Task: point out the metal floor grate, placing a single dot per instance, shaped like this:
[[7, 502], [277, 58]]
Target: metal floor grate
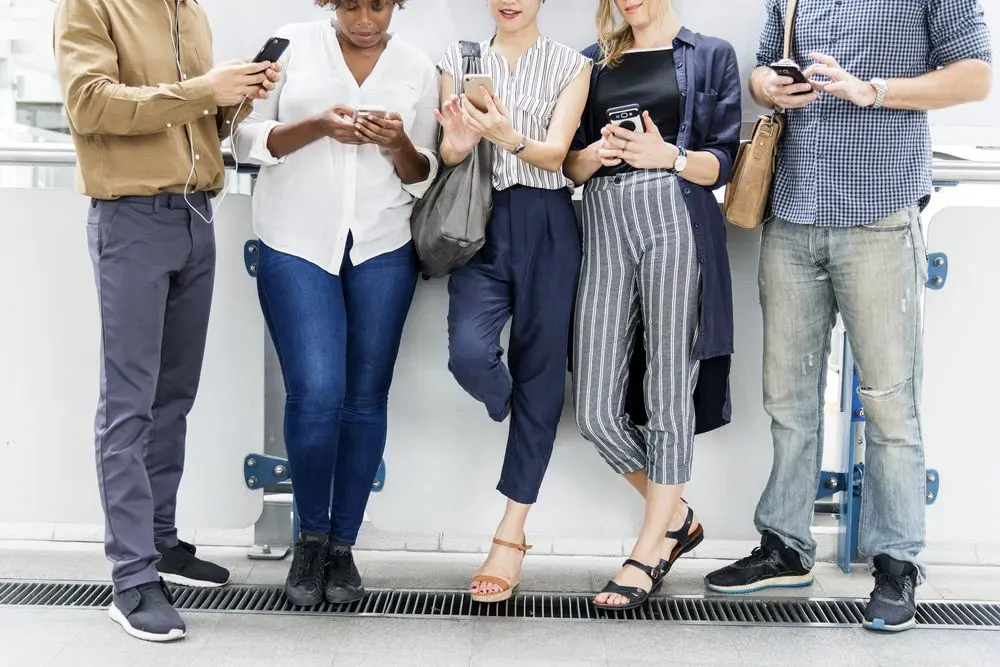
[[443, 604]]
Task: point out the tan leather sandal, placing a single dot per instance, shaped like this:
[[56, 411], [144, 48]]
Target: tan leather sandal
[[507, 588]]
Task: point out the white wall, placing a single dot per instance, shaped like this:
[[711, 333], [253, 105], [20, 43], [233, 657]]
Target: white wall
[[242, 25]]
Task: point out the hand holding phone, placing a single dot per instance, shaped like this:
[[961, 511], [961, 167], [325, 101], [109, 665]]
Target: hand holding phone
[[794, 95], [472, 85]]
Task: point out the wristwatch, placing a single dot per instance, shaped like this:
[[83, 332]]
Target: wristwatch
[[517, 150], [681, 163], [880, 87]]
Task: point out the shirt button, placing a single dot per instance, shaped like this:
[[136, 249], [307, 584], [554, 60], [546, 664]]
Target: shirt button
[[701, 260], [697, 225], [687, 191], [197, 157], [204, 112], [683, 126], [170, 124]]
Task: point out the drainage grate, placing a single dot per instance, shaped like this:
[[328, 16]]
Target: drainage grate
[[443, 604]]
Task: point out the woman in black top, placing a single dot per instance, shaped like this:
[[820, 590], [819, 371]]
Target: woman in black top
[[659, 132]]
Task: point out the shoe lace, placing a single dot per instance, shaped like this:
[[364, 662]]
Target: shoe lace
[[758, 555], [308, 559], [892, 587]]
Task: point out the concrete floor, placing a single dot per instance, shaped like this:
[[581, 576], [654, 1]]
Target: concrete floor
[[67, 637]]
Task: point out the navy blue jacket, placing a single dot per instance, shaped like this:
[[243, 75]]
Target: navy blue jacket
[[709, 80]]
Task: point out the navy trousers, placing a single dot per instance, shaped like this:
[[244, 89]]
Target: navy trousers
[[527, 272]]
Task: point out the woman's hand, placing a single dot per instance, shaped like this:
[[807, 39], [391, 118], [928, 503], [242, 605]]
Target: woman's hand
[[646, 150], [460, 136], [338, 124], [608, 149], [386, 132], [494, 124]]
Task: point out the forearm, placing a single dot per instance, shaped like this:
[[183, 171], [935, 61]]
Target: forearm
[[100, 106], [757, 79], [702, 168], [451, 157], [545, 155], [959, 83], [286, 139], [581, 165], [411, 166]]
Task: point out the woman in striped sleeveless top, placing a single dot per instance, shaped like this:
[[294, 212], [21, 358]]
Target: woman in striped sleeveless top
[[529, 267], [659, 133]]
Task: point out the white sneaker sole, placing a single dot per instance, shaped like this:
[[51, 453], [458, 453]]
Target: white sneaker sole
[[800, 581], [120, 619], [192, 583]]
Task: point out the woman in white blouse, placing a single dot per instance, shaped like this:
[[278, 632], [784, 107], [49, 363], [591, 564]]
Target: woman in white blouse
[[337, 269]]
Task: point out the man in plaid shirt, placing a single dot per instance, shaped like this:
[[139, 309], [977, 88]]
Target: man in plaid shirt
[[853, 175]]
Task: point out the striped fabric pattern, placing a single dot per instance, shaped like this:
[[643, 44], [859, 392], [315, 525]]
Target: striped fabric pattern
[[530, 94], [639, 261]]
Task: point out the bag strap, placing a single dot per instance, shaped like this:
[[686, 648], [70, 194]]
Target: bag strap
[[471, 62], [790, 12]]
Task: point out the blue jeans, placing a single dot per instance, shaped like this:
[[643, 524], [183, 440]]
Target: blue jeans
[[337, 338], [874, 276]]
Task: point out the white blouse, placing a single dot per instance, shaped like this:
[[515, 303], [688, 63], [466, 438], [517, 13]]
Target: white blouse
[[307, 202]]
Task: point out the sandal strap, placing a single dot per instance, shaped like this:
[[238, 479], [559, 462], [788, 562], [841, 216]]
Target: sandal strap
[[523, 547], [632, 593], [682, 532], [490, 579], [653, 572]]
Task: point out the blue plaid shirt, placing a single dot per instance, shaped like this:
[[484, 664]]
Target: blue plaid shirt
[[842, 165]]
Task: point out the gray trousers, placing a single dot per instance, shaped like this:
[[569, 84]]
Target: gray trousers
[[154, 265], [639, 260]]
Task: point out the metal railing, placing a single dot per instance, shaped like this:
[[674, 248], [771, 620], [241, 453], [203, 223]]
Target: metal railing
[[62, 155]]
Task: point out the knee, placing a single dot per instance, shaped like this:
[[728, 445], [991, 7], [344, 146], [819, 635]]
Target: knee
[[318, 391], [366, 404], [891, 413], [468, 353], [594, 423]]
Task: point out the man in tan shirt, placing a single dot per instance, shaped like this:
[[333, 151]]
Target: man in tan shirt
[[147, 111]]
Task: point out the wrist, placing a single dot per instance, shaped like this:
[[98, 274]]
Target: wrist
[[670, 154]]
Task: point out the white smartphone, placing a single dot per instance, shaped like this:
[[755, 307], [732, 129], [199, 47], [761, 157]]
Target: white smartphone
[[370, 110], [470, 86], [627, 116]]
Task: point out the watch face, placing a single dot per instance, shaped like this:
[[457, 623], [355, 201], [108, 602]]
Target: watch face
[[681, 163]]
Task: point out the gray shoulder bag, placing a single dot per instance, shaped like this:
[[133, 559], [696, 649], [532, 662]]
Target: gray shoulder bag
[[448, 223]]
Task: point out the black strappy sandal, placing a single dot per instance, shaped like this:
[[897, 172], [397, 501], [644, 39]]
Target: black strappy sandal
[[635, 595], [685, 542]]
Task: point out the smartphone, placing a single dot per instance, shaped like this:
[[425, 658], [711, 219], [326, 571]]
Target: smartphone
[[792, 71], [470, 86], [370, 110], [627, 116], [272, 50]]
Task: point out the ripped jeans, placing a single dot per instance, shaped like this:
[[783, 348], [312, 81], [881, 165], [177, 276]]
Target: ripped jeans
[[874, 277]]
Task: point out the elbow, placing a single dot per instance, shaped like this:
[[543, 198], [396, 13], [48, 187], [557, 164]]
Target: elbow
[[982, 85]]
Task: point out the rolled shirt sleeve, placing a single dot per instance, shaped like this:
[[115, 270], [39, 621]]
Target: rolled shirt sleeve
[[958, 31], [424, 133]]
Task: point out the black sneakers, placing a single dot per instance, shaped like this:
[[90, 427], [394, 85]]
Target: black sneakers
[[147, 612], [771, 565], [893, 606], [343, 581], [304, 585], [180, 566]]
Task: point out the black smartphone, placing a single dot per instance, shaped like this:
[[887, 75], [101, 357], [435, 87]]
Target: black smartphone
[[792, 71], [272, 50]]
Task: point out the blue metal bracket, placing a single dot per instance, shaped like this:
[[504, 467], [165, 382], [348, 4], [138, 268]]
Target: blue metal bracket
[[937, 270], [251, 254], [933, 484], [261, 470]]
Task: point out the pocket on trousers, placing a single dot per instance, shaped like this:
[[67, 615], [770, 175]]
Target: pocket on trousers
[[100, 222], [896, 222]]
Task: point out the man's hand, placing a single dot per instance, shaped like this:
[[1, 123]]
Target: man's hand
[[233, 81], [785, 93], [644, 150], [387, 132], [841, 84], [338, 124]]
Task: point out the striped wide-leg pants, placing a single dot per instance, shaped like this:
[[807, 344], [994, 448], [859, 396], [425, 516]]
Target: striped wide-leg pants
[[639, 260]]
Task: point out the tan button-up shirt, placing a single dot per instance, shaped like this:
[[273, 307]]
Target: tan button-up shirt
[[136, 105]]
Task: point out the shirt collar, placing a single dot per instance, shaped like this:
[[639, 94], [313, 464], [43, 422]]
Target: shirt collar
[[685, 36]]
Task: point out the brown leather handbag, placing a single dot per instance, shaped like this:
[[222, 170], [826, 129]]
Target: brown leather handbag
[[748, 194]]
